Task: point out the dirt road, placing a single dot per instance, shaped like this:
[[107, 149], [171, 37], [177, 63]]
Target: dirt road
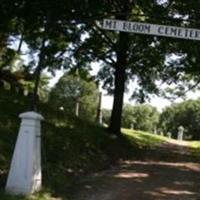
[[169, 172]]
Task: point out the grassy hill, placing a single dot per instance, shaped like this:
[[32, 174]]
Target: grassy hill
[[71, 148]]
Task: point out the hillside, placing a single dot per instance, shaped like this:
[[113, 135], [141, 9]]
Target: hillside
[[73, 148]]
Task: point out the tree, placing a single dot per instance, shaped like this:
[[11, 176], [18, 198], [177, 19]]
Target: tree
[[142, 117], [128, 118], [143, 58], [186, 114], [72, 88], [106, 116], [47, 28], [127, 56], [146, 117]]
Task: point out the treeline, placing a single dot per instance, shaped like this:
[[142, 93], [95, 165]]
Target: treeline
[[76, 95], [147, 118]]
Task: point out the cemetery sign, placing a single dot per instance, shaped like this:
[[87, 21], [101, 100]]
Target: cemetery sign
[[151, 29]]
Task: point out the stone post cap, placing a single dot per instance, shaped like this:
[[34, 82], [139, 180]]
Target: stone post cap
[[31, 115], [181, 128]]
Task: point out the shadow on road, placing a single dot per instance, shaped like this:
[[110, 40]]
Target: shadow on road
[[167, 173]]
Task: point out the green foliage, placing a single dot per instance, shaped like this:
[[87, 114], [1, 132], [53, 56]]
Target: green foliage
[[65, 35], [106, 116], [186, 114], [137, 57], [127, 116], [142, 117], [72, 89]]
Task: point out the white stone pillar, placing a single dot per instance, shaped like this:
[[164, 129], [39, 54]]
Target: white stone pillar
[[25, 175], [180, 133]]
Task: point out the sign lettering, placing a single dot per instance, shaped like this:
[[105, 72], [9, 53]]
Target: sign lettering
[[152, 29]]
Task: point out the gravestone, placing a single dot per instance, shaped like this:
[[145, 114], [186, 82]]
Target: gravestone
[[169, 134], [131, 126], [161, 133], [180, 133], [25, 172]]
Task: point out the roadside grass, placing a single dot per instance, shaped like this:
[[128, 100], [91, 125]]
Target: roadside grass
[[194, 144], [37, 196], [195, 147], [143, 139]]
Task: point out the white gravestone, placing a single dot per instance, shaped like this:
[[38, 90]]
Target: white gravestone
[[25, 175], [131, 126], [180, 133], [169, 134]]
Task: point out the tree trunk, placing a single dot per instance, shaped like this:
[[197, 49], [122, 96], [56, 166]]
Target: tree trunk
[[35, 97], [120, 78], [34, 100]]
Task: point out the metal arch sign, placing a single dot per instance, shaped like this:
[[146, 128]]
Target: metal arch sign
[[152, 29]]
